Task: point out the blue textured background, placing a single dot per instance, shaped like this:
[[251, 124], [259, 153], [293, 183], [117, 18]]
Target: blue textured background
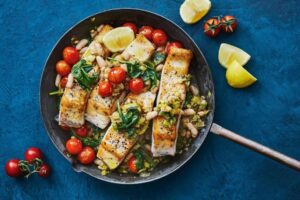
[[268, 112]]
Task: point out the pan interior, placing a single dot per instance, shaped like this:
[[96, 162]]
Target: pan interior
[[199, 69]]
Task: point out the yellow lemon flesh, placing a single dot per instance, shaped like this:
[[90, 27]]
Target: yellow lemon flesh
[[229, 53], [191, 11], [238, 77], [118, 39]]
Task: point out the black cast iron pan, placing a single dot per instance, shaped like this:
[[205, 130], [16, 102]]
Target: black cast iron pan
[[199, 69]]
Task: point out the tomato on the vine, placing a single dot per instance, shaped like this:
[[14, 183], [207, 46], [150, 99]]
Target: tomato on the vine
[[63, 68], [12, 168], [229, 23], [116, 75], [146, 31], [74, 146], [82, 131], [44, 171], [173, 44], [159, 37], [132, 26], [136, 85], [212, 27], [71, 55], [32, 153], [87, 155], [105, 89]]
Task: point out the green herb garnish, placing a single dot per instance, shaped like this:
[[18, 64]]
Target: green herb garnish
[[158, 57], [87, 141], [80, 72], [128, 120], [57, 92], [188, 99]]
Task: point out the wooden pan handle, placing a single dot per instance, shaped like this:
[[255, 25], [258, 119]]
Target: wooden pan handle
[[275, 155]]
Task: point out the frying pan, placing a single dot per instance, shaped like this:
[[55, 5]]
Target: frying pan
[[199, 69]]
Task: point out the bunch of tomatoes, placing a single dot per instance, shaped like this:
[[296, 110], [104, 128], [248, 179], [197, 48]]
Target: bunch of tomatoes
[[86, 155], [64, 67], [33, 163], [213, 26], [118, 74]]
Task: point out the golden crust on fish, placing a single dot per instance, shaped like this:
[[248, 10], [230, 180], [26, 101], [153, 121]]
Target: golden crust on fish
[[115, 146], [140, 48], [99, 109], [172, 86], [72, 107]]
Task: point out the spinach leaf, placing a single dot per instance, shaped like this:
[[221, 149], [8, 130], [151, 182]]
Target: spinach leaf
[[150, 74], [128, 120], [188, 99], [87, 141], [134, 70], [158, 58], [80, 72]]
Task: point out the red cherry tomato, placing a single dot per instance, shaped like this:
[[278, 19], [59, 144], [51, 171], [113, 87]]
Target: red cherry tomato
[[116, 75], [159, 37], [136, 85], [132, 26], [212, 27], [71, 55], [12, 168], [74, 146], [105, 89], [146, 31], [63, 68], [65, 128], [229, 23], [86, 156], [132, 165], [33, 153], [44, 171], [173, 44], [63, 82], [82, 131]]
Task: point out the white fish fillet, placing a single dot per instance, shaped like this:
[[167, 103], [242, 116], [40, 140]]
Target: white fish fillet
[[72, 107], [176, 66], [140, 48], [115, 146]]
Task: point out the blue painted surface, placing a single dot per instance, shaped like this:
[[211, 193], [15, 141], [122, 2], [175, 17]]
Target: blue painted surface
[[268, 112]]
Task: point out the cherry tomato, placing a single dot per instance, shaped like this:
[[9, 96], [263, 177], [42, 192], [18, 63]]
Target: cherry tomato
[[212, 27], [86, 156], [132, 26], [71, 55], [116, 75], [74, 146], [146, 31], [105, 89], [12, 168], [63, 68], [229, 23], [44, 171], [65, 128], [33, 153], [82, 131], [132, 165], [173, 44], [136, 85], [159, 37], [63, 82]]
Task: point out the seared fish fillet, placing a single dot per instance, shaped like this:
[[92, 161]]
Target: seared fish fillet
[[171, 87], [72, 107], [140, 48], [115, 146], [99, 109]]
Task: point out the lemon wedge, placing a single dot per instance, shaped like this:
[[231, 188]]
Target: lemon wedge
[[238, 77], [229, 53], [191, 11], [118, 39]]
